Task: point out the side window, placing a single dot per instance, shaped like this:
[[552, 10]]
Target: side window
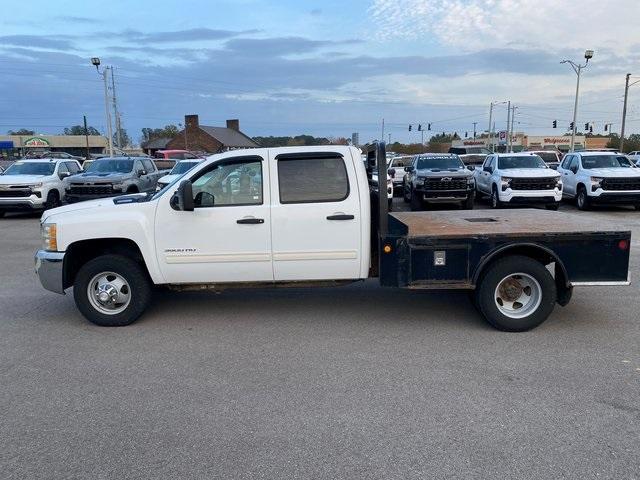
[[73, 167], [487, 161], [62, 168], [566, 161], [148, 165], [573, 166], [138, 166], [232, 182], [312, 180]]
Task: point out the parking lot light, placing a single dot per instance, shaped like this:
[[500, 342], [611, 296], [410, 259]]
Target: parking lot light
[[588, 55], [95, 61]]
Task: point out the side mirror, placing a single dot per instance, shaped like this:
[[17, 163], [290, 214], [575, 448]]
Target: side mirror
[[182, 200], [64, 175], [392, 172], [141, 173], [471, 167], [487, 169], [574, 169], [409, 169]]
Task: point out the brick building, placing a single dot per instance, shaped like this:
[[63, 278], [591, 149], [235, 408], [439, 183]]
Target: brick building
[[204, 138]]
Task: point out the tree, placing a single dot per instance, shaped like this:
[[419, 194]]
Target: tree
[[169, 131], [631, 143], [299, 140], [124, 137], [22, 131], [79, 130], [444, 138]]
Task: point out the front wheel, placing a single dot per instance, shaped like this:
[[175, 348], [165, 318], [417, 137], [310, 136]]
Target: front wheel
[[553, 206], [53, 200], [468, 203], [112, 290], [583, 199], [516, 294], [405, 194], [416, 202], [495, 198]]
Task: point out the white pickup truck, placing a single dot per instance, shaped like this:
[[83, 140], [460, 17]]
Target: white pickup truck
[[305, 216], [38, 184], [518, 179]]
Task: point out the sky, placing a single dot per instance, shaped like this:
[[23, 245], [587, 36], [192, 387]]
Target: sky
[[325, 68]]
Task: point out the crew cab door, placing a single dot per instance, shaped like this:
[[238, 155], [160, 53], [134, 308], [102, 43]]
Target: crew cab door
[[315, 216], [569, 169], [484, 175], [227, 238]]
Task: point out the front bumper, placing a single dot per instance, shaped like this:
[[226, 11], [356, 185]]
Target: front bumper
[[619, 198], [530, 196], [444, 196], [32, 202], [50, 270]]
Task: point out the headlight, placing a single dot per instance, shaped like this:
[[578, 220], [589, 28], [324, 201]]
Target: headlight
[[596, 183], [420, 180], [49, 233], [559, 184], [506, 183], [35, 185]]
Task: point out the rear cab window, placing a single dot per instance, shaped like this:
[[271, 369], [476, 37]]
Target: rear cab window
[[312, 178]]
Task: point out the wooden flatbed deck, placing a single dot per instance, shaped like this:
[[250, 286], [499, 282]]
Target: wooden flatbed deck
[[496, 223]]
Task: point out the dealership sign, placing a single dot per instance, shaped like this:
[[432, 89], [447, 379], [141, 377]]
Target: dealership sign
[[36, 142]]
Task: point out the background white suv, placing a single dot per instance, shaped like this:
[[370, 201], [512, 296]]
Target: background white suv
[[35, 184], [600, 177], [518, 178]]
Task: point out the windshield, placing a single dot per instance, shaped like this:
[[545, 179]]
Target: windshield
[[110, 166], [182, 167], [606, 161], [439, 163], [549, 157], [31, 168], [401, 162], [524, 161]]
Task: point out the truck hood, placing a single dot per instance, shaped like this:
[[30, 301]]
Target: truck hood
[[100, 204], [91, 177], [22, 179], [612, 172], [529, 173], [457, 173]]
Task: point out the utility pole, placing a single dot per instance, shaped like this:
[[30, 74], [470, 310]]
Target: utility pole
[[474, 129], [382, 136], [86, 135], [389, 139], [588, 55], [508, 146], [513, 118], [95, 61], [624, 112], [115, 110], [490, 126]]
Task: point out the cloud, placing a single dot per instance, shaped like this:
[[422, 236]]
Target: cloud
[[77, 20], [37, 41], [189, 35], [475, 24]]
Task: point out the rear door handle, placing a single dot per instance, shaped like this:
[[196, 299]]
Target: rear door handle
[[341, 216], [250, 221]]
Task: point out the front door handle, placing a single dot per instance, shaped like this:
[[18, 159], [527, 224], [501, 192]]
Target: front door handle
[[250, 221], [340, 216]]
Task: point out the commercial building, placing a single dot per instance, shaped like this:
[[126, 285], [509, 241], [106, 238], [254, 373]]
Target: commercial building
[[521, 141], [13, 146]]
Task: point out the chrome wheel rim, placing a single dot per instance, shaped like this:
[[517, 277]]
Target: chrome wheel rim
[[109, 293], [518, 295]]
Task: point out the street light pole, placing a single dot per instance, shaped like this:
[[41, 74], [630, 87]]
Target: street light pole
[[96, 62], [588, 55], [624, 112], [490, 120], [508, 146]]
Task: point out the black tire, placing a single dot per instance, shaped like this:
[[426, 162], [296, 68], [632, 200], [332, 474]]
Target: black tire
[[468, 203], [416, 203], [493, 276], [135, 275], [552, 206], [405, 196], [53, 200], [582, 199], [494, 199], [132, 190], [2, 212], [390, 205]]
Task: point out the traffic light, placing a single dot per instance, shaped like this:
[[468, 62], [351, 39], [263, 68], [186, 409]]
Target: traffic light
[[571, 126], [428, 126], [409, 127], [555, 124], [586, 126], [466, 134], [591, 129], [419, 127], [606, 128]]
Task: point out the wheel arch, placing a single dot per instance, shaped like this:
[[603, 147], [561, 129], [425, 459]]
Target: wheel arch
[[80, 252], [537, 252]]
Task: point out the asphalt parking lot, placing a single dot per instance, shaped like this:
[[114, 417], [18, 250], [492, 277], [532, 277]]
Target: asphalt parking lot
[[353, 382]]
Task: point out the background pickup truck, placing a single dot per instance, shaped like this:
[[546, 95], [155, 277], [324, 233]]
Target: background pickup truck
[[108, 177], [304, 216]]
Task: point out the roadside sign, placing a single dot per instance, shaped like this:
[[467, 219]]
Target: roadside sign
[[502, 137], [6, 145]]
